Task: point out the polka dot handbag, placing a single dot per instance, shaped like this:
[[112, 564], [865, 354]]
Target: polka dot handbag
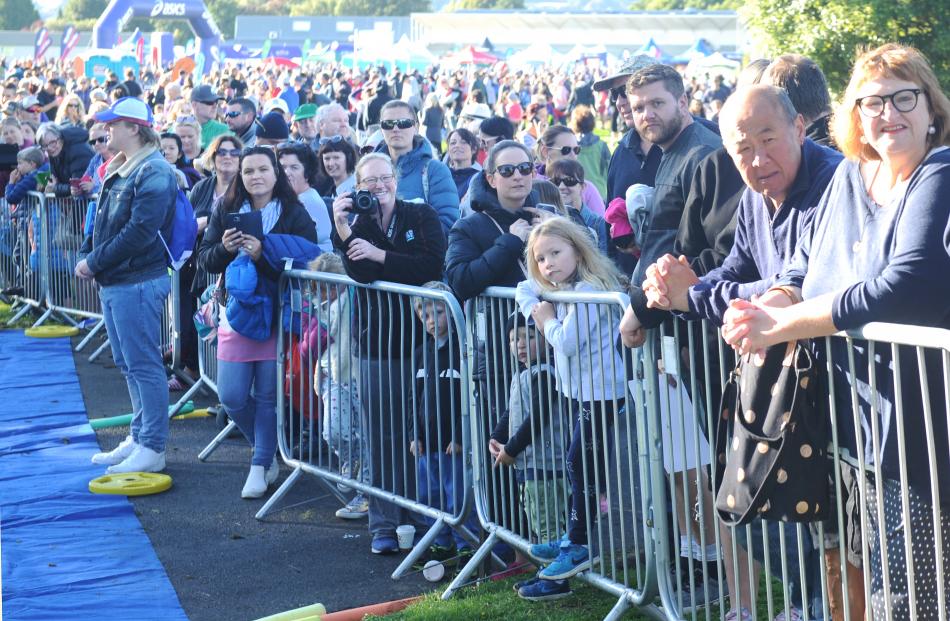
[[772, 439]]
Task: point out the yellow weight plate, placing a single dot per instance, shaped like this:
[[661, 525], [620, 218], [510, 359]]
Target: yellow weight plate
[[51, 332], [131, 484]]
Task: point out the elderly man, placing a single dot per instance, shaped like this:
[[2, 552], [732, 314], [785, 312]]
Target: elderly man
[[333, 120], [421, 176], [305, 126], [785, 175]]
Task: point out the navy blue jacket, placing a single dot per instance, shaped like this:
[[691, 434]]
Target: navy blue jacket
[[764, 243], [134, 205]]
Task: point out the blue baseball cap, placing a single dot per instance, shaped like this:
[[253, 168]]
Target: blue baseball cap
[[128, 109]]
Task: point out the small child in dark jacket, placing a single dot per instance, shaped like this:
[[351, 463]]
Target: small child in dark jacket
[[29, 162], [436, 425]]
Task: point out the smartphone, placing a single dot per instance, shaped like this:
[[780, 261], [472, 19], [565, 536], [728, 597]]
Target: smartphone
[[250, 223]]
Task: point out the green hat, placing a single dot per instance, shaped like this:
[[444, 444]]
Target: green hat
[[306, 111]]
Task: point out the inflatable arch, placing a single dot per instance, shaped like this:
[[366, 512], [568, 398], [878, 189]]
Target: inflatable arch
[[105, 34]]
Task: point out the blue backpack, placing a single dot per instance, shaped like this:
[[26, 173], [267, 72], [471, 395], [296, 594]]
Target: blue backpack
[[181, 243]]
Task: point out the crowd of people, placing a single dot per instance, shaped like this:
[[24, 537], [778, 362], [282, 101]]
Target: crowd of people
[[762, 206]]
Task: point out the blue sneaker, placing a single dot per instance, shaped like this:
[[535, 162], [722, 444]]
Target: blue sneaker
[[384, 544], [572, 560], [538, 590], [547, 551]]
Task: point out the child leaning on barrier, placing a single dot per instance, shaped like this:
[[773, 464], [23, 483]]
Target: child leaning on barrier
[[435, 426], [29, 162], [590, 379], [530, 435], [336, 379]]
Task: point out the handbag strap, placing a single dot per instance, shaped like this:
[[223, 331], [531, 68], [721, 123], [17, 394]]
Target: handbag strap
[[524, 269]]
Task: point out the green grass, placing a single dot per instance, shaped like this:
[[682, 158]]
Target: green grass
[[496, 600]]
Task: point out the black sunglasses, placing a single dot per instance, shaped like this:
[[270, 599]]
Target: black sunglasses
[[617, 93], [567, 150], [367, 148], [400, 123], [231, 152], [568, 181], [507, 170], [233, 114], [99, 140]]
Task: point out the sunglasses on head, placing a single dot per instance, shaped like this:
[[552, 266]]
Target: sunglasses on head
[[507, 170], [400, 123], [568, 181], [567, 150], [367, 148], [333, 139], [99, 140], [617, 93], [233, 114]]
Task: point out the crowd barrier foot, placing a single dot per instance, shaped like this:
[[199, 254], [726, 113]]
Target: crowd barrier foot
[[218, 439], [280, 493], [92, 333], [473, 563], [46, 315], [99, 351], [419, 549], [19, 314]]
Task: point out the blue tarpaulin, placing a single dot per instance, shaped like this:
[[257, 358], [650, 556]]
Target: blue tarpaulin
[[67, 553]]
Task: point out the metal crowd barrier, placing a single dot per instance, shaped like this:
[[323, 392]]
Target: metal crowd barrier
[[506, 499], [25, 266], [806, 566], [385, 381]]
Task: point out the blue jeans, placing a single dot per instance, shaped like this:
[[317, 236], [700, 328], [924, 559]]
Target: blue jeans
[[133, 317], [254, 414], [442, 486]]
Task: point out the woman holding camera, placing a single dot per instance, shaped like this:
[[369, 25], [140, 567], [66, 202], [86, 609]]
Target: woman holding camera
[[401, 242]]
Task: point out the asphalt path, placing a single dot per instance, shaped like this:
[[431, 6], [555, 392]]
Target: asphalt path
[[223, 563]]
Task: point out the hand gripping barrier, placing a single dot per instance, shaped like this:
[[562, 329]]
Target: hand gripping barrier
[[369, 400], [544, 405], [887, 389]]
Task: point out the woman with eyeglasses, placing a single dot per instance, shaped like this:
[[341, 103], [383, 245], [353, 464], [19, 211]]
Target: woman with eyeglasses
[[461, 158], [337, 161], [878, 251], [559, 142], [246, 383], [92, 179], [401, 242], [567, 175], [69, 153], [300, 165], [71, 112]]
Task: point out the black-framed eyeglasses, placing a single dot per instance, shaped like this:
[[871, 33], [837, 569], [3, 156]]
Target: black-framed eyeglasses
[[228, 153], [333, 139], [617, 93], [47, 145], [507, 170], [233, 114], [565, 151], [389, 124], [567, 181], [904, 100], [99, 140]]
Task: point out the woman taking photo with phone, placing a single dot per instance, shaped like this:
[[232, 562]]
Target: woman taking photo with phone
[[246, 383]]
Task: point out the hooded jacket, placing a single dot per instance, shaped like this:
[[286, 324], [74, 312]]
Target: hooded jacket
[[480, 255], [418, 169]]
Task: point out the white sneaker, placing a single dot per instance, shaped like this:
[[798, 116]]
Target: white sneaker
[[116, 455], [142, 459], [272, 472], [256, 484]]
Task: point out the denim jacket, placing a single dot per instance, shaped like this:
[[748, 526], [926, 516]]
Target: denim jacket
[[136, 201]]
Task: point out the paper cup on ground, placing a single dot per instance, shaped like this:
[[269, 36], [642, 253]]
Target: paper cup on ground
[[433, 571], [405, 534]]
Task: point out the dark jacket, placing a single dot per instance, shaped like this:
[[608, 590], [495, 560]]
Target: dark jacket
[[415, 254], [438, 394], [480, 255], [201, 196], [136, 203], [214, 259], [72, 161], [17, 191], [370, 114]]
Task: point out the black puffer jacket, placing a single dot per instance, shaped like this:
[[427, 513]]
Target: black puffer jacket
[[480, 255], [72, 161]]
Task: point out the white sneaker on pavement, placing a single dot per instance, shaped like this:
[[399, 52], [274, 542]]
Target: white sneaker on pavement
[[256, 484], [142, 459], [272, 472], [116, 455]]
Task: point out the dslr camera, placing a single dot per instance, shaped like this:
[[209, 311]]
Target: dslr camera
[[364, 203]]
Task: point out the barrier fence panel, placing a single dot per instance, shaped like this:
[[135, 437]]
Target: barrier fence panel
[[373, 399], [886, 392], [8, 243], [581, 467], [28, 280]]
